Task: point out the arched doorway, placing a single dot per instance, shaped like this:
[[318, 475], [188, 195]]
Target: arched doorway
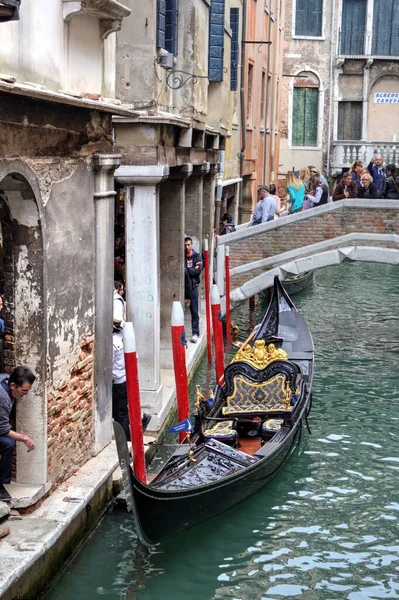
[[23, 276]]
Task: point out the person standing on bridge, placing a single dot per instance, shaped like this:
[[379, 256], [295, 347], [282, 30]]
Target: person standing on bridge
[[296, 190], [258, 210], [269, 206], [377, 170]]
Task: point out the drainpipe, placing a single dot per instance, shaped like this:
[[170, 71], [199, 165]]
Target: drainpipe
[[242, 107], [219, 190], [275, 75], [267, 101], [330, 100]]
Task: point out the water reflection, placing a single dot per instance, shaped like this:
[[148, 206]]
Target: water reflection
[[327, 526]]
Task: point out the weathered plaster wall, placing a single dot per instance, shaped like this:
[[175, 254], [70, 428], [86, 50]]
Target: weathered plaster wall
[[44, 49]]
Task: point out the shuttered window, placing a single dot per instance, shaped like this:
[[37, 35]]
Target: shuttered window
[[305, 116], [353, 27], [385, 28], [350, 116], [216, 40], [309, 17], [234, 21], [167, 25]]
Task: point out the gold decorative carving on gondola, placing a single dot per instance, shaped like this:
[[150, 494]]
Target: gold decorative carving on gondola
[[260, 354]]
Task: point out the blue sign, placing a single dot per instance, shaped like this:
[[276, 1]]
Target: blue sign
[[181, 427]]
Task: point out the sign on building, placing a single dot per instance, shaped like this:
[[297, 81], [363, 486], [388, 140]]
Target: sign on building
[[386, 98]]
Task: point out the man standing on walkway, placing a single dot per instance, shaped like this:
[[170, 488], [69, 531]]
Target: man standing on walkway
[[13, 387], [193, 265], [258, 210]]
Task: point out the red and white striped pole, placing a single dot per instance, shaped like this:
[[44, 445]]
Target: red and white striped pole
[[227, 296], [207, 301], [217, 332], [133, 401], [179, 361]]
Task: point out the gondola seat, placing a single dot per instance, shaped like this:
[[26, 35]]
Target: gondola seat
[[271, 426], [223, 431]]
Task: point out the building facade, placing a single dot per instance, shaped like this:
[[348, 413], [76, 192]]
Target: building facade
[[57, 97], [342, 82], [262, 47]]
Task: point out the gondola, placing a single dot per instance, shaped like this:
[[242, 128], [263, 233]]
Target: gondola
[[242, 436], [296, 283]]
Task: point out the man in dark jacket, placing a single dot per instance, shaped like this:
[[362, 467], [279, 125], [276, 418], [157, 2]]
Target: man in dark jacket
[[193, 265], [390, 185], [13, 387]]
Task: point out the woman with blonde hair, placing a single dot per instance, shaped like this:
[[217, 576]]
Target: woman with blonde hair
[[296, 190], [304, 175], [366, 188]]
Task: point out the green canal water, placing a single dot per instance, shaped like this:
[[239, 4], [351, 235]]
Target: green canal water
[[327, 527]]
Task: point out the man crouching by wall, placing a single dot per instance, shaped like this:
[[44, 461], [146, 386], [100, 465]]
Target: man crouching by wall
[[13, 387]]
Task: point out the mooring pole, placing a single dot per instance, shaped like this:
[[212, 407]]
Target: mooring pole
[[228, 316], [179, 362], [207, 301], [252, 303], [217, 332], [133, 401]]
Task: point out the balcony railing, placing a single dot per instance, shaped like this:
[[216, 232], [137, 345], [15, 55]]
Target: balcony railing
[[346, 152], [358, 43]]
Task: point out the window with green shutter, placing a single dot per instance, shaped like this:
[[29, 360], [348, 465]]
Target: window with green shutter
[[385, 28], [305, 116]]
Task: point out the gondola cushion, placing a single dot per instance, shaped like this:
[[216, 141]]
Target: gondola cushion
[[249, 397], [271, 426], [222, 431]]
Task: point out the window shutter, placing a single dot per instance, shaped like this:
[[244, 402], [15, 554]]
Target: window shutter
[[216, 40], [161, 24], [309, 17], [305, 116], [353, 27], [171, 29], [311, 116], [298, 117], [234, 22], [350, 116], [386, 28]]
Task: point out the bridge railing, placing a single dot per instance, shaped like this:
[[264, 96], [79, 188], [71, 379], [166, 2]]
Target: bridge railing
[[346, 152]]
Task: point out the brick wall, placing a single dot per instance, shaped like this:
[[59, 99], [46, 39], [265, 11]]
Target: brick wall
[[70, 419], [310, 230]]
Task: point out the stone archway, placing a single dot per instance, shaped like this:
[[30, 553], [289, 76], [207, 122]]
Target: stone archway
[[24, 301]]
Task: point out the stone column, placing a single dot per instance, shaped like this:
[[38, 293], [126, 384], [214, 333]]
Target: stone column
[[194, 201], [208, 204], [104, 194], [143, 272], [172, 230]]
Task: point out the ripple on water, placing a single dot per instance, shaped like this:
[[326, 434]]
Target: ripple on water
[[326, 528]]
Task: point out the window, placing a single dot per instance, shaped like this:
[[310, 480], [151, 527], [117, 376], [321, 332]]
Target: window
[[234, 23], [353, 27], [350, 120], [216, 40], [309, 18], [386, 28], [262, 100], [249, 99], [167, 25], [305, 110]]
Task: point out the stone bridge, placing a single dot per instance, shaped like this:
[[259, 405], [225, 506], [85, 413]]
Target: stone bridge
[[365, 230]]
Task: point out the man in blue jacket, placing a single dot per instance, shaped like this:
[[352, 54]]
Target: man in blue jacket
[[13, 387], [377, 170]]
